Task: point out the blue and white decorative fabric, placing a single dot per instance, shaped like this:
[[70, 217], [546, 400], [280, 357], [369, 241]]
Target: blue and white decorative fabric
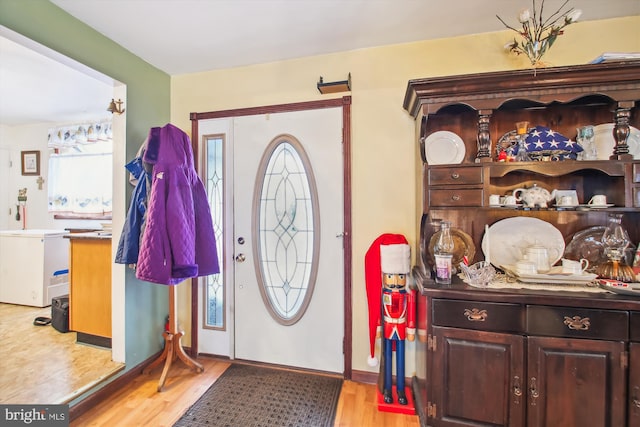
[[543, 141]]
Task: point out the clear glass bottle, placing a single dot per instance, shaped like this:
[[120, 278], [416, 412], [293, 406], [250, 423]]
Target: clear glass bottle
[[522, 128], [585, 137], [443, 253]]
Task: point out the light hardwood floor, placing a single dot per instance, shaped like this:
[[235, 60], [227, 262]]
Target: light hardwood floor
[[43, 366], [140, 404]]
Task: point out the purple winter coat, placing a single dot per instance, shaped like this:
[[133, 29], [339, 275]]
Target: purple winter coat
[[178, 240]]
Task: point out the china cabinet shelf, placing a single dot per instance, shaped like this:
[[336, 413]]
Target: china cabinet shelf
[[558, 168]]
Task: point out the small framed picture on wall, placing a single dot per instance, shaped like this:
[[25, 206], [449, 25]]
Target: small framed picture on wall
[[30, 162]]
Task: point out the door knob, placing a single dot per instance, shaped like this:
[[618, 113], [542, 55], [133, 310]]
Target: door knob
[[240, 258]]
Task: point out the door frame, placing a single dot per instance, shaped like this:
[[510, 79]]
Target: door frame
[[345, 103]]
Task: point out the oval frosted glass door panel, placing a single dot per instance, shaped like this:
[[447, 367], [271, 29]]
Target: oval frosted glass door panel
[[286, 226]]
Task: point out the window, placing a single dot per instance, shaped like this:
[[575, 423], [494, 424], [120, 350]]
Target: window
[[81, 170], [287, 226], [215, 303]]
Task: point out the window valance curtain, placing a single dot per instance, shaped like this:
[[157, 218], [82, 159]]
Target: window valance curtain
[[85, 133]]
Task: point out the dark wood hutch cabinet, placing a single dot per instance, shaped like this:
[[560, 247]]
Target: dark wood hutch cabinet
[[510, 357]]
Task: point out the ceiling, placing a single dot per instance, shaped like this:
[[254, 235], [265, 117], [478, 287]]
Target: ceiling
[[34, 88], [187, 36]]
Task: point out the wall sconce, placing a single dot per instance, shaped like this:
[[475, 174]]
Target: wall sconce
[[333, 87], [113, 108]]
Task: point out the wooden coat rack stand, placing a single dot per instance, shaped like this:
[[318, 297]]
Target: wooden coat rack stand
[[172, 344]]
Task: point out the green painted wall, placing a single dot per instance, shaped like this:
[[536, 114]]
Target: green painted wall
[[148, 105]]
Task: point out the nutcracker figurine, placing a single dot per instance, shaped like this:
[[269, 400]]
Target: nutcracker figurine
[[391, 308]]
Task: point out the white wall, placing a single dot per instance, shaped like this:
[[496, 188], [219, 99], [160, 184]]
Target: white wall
[[4, 178], [4, 189]]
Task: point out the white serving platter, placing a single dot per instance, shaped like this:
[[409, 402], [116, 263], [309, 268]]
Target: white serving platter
[[509, 238], [605, 142], [553, 276]]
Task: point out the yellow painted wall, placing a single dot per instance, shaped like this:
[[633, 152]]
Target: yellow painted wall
[[384, 149]]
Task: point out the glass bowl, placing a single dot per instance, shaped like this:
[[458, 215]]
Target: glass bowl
[[479, 274]]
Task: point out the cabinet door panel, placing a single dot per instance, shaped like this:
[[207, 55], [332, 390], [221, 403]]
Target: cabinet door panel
[[634, 326], [478, 378], [90, 296], [634, 385], [585, 378]]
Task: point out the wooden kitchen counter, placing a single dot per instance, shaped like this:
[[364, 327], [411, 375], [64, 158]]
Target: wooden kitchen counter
[[90, 287]]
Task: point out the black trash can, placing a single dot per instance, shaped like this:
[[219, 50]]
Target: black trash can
[[60, 313]]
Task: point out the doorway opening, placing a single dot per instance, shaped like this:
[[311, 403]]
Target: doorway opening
[[38, 214]]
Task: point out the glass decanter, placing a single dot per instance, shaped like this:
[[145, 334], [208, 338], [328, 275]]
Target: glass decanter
[[585, 137], [615, 240], [443, 254]]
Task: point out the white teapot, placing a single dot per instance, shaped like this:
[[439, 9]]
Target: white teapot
[[534, 196], [539, 255]]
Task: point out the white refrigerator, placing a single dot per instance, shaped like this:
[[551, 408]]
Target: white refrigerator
[[34, 266]]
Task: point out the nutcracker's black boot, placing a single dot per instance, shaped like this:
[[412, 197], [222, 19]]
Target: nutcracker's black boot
[[388, 397], [402, 397]]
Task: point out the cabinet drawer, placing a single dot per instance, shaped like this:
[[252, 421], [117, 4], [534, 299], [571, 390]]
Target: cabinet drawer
[[455, 197], [634, 330], [497, 317], [455, 176], [574, 322]]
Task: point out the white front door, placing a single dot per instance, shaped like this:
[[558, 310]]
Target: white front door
[[275, 250]]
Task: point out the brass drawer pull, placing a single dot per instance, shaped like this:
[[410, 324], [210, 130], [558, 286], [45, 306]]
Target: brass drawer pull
[[577, 323], [533, 390], [517, 390], [475, 315], [455, 197], [455, 175]]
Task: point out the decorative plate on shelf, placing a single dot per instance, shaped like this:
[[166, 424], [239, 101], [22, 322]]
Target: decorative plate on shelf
[[605, 142], [443, 148], [630, 289], [506, 142], [462, 246], [508, 239], [588, 244]]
